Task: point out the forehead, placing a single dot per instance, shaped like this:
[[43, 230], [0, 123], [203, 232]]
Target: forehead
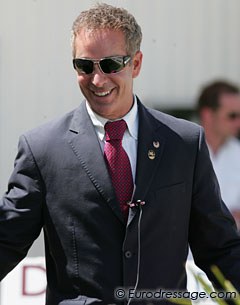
[[230, 101], [100, 43]]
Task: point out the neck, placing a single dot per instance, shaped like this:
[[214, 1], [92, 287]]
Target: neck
[[214, 141]]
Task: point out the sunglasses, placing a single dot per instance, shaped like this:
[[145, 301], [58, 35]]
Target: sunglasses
[[107, 65], [233, 116]]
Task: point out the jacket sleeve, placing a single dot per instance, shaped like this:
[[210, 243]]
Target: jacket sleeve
[[20, 210], [213, 235]]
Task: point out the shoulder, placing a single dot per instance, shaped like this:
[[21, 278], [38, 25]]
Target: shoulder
[[51, 129], [234, 142], [233, 146], [177, 126], [50, 136], [170, 120]]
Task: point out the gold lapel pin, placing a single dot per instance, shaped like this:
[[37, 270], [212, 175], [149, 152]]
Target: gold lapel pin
[[151, 154], [156, 144]]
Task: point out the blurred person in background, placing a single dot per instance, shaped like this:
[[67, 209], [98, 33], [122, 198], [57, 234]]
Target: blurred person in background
[[219, 113]]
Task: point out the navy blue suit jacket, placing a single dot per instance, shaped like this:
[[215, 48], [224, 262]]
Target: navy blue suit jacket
[[60, 183]]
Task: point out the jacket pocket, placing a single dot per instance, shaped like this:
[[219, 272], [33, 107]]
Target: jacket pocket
[[172, 204], [171, 195]]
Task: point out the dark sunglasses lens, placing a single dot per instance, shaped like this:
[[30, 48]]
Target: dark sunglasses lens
[[234, 115], [84, 65], [109, 65]]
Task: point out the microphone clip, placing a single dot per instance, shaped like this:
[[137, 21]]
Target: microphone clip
[[138, 203]]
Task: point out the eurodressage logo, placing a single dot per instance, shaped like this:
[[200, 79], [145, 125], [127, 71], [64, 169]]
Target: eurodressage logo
[[160, 294]]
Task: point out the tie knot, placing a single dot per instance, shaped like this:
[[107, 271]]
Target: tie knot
[[115, 130]]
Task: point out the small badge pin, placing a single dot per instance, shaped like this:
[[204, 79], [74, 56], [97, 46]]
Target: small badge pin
[[151, 154], [156, 144]]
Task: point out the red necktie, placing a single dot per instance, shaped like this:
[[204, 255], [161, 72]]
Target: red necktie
[[118, 163]]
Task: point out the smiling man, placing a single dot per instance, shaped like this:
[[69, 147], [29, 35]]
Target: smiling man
[[120, 190], [108, 94]]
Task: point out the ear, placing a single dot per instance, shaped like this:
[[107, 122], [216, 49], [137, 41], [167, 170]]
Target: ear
[[207, 114], [137, 63]]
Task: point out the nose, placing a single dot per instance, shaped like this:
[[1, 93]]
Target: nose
[[98, 77]]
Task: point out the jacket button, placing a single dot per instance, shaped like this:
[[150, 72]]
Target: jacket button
[[128, 254]]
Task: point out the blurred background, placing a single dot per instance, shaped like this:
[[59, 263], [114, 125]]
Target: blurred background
[[185, 45]]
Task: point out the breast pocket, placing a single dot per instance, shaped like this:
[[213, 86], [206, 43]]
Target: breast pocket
[[171, 193], [171, 202]]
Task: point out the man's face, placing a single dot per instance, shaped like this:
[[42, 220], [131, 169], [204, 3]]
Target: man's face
[[226, 119], [109, 95]]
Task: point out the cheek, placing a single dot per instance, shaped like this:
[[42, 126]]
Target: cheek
[[125, 81], [221, 121], [82, 81], [226, 126]]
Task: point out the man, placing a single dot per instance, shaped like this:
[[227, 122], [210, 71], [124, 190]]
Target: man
[[219, 111], [116, 213]]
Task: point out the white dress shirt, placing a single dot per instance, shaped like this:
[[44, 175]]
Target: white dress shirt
[[130, 137], [226, 164]]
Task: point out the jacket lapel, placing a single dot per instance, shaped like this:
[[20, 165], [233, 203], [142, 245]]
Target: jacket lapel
[[149, 152], [86, 146]]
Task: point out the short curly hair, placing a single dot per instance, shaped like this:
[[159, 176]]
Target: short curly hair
[[105, 16]]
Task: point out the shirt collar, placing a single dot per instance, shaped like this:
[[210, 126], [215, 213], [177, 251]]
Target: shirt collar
[[131, 118], [226, 145]]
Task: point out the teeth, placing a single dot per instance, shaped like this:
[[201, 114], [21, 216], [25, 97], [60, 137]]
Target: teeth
[[102, 93]]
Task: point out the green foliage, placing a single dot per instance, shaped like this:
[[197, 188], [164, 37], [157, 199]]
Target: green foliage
[[227, 288]]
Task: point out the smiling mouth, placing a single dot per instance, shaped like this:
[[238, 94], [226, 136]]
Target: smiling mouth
[[102, 94]]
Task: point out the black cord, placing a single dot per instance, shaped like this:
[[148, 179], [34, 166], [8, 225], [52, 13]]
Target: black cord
[[139, 251]]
